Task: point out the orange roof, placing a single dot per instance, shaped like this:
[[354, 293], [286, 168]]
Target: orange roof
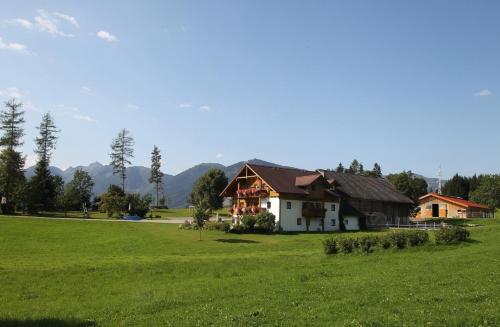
[[458, 201]]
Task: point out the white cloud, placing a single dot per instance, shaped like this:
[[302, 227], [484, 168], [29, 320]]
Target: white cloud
[[185, 105], [83, 117], [219, 155], [483, 93], [16, 47], [70, 19], [106, 36], [73, 112], [14, 92], [205, 108], [30, 160], [49, 23], [85, 90], [22, 22], [133, 107], [11, 92]]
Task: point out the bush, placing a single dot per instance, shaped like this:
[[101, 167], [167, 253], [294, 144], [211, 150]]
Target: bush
[[453, 234], [367, 242], [266, 221], [186, 225], [417, 237], [386, 241], [215, 225], [238, 229], [330, 246], [346, 245], [248, 222], [398, 239]]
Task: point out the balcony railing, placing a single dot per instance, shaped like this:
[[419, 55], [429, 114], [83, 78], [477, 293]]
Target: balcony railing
[[251, 192], [311, 210], [249, 210]]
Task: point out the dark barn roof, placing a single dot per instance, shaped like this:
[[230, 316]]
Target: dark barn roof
[[366, 188], [282, 180]]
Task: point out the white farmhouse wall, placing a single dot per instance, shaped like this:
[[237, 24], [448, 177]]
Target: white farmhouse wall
[[351, 223], [288, 219]]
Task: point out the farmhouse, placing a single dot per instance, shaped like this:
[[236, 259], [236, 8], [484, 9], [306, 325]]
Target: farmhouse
[[433, 205], [320, 200]]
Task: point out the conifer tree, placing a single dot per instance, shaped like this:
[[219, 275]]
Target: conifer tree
[[11, 161], [156, 174], [122, 152]]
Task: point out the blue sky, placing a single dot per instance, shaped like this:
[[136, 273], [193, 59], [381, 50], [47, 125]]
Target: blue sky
[[408, 84]]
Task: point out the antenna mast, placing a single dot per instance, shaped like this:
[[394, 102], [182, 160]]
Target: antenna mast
[[440, 176]]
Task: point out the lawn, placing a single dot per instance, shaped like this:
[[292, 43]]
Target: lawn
[[174, 213], [95, 273]]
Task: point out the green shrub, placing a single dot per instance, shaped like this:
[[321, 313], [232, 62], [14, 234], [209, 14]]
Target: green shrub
[[453, 234], [417, 237], [186, 225], [330, 246], [386, 241], [266, 221], [346, 245], [398, 239], [248, 222], [215, 225], [238, 229], [367, 243]]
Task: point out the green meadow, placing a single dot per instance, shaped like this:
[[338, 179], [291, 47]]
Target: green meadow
[[97, 273]]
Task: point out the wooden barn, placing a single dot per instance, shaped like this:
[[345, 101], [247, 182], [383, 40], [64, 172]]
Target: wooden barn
[[433, 205]]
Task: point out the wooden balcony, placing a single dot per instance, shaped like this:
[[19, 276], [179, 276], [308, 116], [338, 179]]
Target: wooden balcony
[[310, 210], [251, 193], [248, 210]]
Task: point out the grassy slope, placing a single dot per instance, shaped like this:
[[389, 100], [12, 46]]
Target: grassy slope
[[151, 274]]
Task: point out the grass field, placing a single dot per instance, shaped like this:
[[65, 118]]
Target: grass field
[[90, 273], [156, 213]]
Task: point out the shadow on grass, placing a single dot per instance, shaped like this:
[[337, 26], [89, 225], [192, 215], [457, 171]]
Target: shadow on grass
[[235, 240], [47, 322]]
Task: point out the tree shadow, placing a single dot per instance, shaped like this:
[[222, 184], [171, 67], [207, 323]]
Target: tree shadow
[[47, 322], [235, 240]]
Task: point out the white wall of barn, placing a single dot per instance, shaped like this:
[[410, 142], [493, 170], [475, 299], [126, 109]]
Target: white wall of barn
[[288, 218]]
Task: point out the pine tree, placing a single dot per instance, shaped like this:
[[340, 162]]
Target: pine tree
[[156, 174], [355, 167], [43, 187], [11, 161], [121, 153], [377, 170], [340, 168]]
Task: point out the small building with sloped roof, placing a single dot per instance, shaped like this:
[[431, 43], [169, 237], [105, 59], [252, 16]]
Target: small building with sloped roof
[[434, 205]]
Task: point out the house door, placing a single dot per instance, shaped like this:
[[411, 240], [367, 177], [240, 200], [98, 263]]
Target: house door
[[435, 210]]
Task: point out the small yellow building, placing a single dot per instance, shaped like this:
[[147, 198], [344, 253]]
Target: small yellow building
[[433, 205]]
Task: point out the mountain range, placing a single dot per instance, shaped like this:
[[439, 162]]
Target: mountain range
[[176, 187]]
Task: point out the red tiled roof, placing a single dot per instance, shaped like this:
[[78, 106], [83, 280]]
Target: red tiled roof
[[306, 180], [458, 201]]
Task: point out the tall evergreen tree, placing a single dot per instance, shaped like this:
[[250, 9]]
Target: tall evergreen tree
[[340, 168], [43, 187], [457, 186], [156, 174], [376, 171], [11, 161], [122, 152], [355, 167]]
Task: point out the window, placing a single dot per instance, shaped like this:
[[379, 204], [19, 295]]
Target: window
[[299, 221], [333, 222], [268, 205], [346, 222], [289, 205], [333, 207]]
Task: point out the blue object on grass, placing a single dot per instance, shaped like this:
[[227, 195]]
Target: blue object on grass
[[132, 218]]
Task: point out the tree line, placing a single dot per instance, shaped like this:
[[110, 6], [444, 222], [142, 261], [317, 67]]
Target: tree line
[[47, 192], [484, 189]]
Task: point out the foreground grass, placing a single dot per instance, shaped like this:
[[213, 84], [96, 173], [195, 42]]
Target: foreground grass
[[71, 273]]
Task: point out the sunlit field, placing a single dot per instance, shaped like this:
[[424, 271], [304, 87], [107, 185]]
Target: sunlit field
[[96, 273]]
